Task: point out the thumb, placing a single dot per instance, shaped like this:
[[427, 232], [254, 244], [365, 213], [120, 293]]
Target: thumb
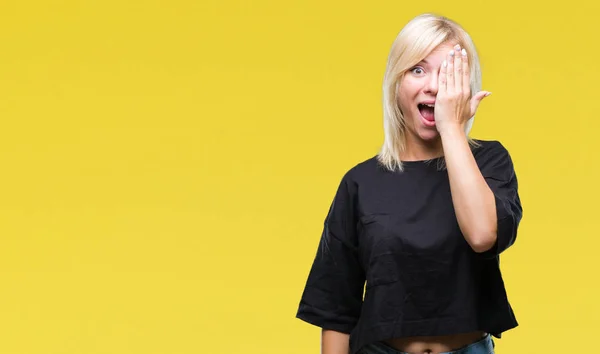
[[476, 100]]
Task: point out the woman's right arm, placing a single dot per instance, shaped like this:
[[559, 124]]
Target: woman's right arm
[[333, 295], [333, 342]]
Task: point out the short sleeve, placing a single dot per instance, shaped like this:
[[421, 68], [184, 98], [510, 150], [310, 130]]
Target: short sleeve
[[497, 168], [332, 297]]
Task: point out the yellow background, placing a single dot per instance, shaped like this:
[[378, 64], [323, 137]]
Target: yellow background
[[167, 165]]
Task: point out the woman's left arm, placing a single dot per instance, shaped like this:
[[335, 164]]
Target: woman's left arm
[[473, 200]]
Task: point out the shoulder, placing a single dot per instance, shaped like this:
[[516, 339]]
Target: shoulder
[[493, 157], [362, 169], [489, 146], [358, 174], [489, 149]]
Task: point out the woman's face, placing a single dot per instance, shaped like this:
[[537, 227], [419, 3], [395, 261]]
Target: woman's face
[[417, 93]]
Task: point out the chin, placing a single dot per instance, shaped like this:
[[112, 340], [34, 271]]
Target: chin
[[418, 129], [428, 135]]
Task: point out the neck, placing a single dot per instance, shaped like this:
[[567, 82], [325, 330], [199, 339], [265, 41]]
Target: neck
[[417, 150]]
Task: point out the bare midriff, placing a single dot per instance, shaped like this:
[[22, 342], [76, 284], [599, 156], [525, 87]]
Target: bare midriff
[[434, 344]]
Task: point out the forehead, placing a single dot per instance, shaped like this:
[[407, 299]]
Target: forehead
[[437, 56]]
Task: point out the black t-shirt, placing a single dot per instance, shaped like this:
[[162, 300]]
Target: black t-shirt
[[394, 235]]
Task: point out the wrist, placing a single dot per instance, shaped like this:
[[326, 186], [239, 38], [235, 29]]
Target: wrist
[[452, 131]]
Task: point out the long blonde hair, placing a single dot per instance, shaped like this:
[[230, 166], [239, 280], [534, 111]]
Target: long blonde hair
[[415, 41]]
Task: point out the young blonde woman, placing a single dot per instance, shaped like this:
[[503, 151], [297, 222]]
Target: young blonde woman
[[408, 261]]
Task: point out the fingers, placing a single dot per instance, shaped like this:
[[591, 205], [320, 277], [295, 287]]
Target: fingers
[[476, 100], [466, 73], [442, 81], [458, 69], [455, 75], [450, 86]]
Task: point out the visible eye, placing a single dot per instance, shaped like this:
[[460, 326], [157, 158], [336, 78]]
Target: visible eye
[[417, 70]]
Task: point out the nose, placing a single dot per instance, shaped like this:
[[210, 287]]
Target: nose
[[432, 84]]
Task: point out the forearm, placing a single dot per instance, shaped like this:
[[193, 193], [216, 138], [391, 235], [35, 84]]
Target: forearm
[[473, 200], [333, 342]]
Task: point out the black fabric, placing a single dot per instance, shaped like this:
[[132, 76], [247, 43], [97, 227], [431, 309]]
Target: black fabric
[[392, 262]]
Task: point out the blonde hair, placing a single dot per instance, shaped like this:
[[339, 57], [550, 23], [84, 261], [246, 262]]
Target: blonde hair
[[415, 41]]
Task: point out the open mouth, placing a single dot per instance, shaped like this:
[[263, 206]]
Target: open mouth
[[427, 111]]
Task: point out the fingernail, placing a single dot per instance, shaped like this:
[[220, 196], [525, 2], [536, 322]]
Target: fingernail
[[451, 53], [457, 47], [464, 52], [487, 94], [445, 64]]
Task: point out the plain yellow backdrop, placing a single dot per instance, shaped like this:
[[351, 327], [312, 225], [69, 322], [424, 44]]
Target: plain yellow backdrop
[[167, 165]]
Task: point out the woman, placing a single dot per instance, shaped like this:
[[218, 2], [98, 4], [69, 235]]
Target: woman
[[408, 261]]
